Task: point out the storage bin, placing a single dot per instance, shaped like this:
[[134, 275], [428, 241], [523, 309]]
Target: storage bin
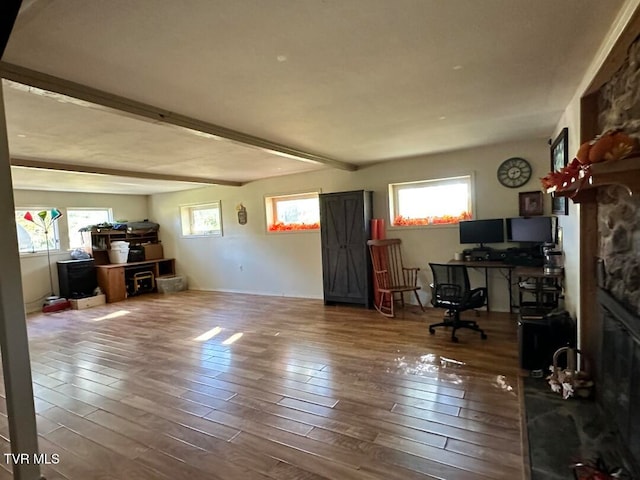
[[170, 284], [119, 252], [118, 256]]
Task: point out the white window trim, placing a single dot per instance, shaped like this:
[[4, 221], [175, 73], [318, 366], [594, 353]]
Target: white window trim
[[186, 212], [270, 213], [393, 200], [108, 209], [56, 229]]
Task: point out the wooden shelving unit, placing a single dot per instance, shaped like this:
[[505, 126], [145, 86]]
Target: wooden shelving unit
[[538, 292], [113, 279], [97, 242]]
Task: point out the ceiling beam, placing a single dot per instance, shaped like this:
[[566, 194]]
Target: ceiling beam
[[64, 167], [9, 11], [61, 86]]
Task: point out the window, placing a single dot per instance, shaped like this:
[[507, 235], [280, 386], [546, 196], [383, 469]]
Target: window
[[430, 202], [31, 233], [78, 218], [300, 211], [201, 220]]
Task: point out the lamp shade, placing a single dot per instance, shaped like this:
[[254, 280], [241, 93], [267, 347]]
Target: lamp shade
[[27, 216], [55, 214], [43, 214]]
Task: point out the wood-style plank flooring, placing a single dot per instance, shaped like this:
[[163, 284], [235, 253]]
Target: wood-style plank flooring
[[306, 391]]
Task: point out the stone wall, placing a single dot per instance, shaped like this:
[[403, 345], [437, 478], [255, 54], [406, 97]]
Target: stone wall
[[619, 228], [618, 213], [619, 99]]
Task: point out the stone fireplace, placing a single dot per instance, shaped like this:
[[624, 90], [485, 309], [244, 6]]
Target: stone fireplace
[[618, 275], [619, 387]]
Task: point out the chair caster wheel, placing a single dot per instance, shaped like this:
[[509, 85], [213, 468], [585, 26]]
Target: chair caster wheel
[[483, 336], [432, 331], [454, 339]]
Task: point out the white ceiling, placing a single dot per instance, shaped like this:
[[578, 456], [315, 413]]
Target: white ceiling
[[354, 81]]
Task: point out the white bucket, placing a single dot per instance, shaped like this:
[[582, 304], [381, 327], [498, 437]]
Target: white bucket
[[119, 252]]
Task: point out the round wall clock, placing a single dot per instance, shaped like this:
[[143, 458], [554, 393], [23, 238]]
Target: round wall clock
[[514, 172]]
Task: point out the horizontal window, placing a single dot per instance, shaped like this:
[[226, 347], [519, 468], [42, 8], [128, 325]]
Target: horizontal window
[[430, 202], [37, 229], [78, 218], [300, 211], [201, 220]]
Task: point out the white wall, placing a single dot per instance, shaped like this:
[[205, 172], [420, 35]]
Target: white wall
[[35, 274], [571, 118], [247, 259], [570, 224]]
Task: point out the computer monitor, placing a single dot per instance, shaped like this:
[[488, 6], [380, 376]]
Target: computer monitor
[[531, 230], [482, 231]]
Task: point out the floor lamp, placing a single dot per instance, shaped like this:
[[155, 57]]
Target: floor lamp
[[45, 220]]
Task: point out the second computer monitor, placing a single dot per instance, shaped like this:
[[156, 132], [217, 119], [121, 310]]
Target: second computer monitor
[[531, 230], [482, 231]]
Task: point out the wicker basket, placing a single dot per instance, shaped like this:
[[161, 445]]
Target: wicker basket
[[570, 381]]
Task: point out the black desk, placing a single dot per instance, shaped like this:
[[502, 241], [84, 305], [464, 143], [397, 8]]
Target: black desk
[[486, 265]]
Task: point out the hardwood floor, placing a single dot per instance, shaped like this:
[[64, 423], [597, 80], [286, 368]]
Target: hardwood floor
[[127, 391]]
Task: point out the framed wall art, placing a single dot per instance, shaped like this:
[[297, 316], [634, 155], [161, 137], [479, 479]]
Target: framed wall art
[[530, 204], [560, 159]]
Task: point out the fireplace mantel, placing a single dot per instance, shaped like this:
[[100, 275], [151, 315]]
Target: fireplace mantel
[[624, 172]]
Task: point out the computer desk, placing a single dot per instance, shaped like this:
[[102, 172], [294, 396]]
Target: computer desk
[[486, 265]]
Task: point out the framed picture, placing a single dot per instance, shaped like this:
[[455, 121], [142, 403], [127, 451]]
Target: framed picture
[[559, 159], [530, 204]]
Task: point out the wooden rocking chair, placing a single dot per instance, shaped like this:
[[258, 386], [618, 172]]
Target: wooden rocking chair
[[391, 276]]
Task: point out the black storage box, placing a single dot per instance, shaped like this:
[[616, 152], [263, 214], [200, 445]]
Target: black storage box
[[539, 338], [77, 278], [136, 254]]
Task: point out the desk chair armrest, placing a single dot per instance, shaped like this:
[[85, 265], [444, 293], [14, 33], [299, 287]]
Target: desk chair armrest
[[447, 292], [477, 297]]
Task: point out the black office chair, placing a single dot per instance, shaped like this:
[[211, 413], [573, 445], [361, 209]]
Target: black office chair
[[451, 290]]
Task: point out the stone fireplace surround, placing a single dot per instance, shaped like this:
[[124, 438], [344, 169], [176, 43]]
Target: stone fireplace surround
[[618, 293], [619, 389]]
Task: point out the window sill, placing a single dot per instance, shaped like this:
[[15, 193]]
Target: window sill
[[42, 254], [285, 232], [399, 228], [213, 235]]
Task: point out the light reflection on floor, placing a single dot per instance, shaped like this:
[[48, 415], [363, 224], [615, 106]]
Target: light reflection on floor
[[430, 363], [216, 355], [208, 334], [233, 338], [111, 316], [442, 366]]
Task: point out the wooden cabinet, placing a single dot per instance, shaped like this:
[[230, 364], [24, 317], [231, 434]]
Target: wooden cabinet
[[113, 279], [345, 219], [112, 282], [96, 242]]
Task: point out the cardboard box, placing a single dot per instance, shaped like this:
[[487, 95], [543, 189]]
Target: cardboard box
[[153, 251], [88, 302]]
